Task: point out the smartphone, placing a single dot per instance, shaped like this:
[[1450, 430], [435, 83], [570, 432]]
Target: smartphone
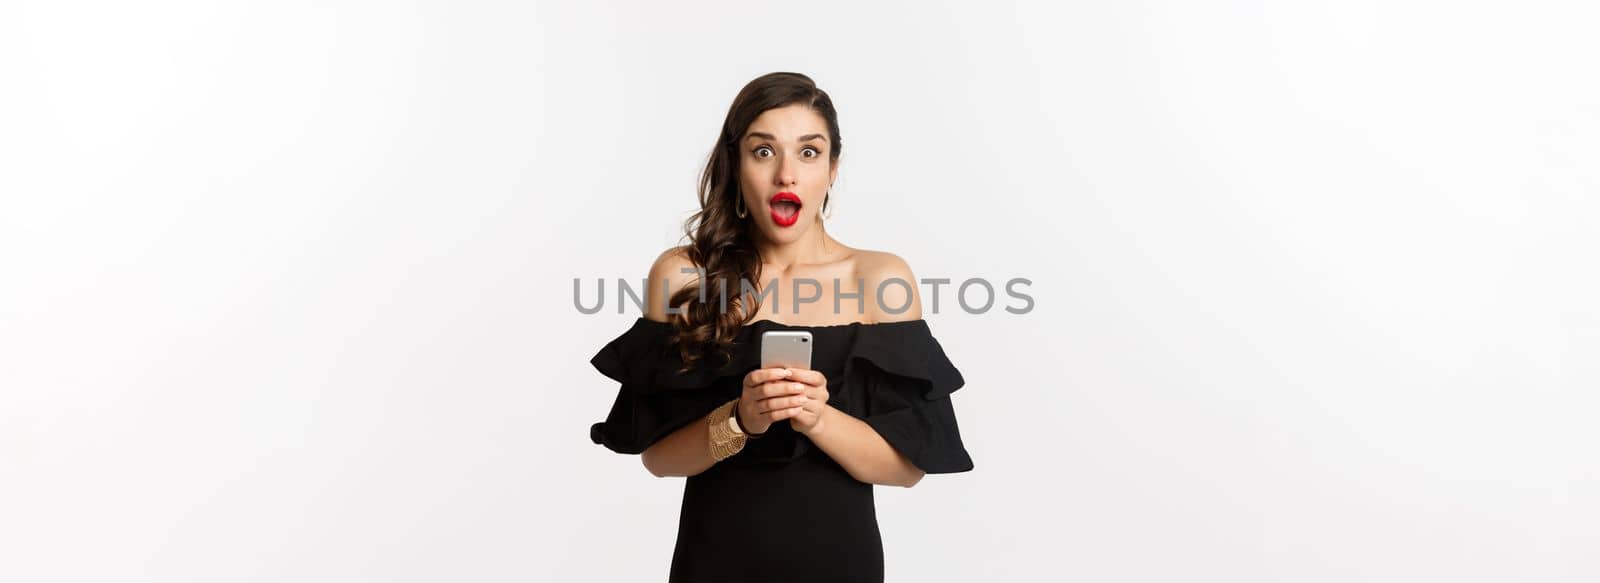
[[786, 349]]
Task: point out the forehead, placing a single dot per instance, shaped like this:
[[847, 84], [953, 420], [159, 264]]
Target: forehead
[[789, 123]]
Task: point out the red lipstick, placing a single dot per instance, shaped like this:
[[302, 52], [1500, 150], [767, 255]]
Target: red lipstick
[[785, 208]]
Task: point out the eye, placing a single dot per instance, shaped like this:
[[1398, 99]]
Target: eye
[[768, 151]]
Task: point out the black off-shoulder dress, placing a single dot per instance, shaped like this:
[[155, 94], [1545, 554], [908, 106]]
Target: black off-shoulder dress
[[781, 509]]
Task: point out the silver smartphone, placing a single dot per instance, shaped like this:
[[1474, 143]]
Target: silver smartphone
[[786, 349]]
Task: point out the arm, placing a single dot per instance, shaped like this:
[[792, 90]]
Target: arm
[[684, 452], [861, 451], [687, 450]]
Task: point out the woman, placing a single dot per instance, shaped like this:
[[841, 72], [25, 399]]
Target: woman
[[780, 462]]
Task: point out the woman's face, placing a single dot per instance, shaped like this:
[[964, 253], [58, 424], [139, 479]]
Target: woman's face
[[784, 171]]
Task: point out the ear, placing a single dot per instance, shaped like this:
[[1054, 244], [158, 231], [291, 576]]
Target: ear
[[833, 171]]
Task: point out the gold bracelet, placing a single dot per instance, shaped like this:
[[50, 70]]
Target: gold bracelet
[[724, 441]]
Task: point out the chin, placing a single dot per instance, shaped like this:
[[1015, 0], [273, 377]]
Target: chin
[[788, 234]]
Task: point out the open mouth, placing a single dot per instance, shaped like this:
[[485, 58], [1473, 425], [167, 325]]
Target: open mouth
[[785, 208]]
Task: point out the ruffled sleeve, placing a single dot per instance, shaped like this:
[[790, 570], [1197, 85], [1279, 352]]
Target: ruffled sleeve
[[655, 398], [895, 377], [907, 381]]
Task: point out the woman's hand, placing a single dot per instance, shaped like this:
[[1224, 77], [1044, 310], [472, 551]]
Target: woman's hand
[[774, 394], [807, 418]]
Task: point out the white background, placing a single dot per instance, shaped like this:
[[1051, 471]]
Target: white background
[[286, 287]]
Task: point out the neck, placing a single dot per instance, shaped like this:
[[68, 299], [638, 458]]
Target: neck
[[815, 246]]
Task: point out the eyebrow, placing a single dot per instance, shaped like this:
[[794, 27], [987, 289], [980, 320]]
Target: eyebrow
[[767, 136]]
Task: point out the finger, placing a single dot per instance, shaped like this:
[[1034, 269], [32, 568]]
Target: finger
[[777, 403], [781, 414], [809, 377], [768, 374], [803, 420], [759, 376], [780, 388], [816, 393]]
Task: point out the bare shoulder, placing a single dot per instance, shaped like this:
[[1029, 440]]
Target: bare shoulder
[[881, 265], [671, 271], [891, 287]]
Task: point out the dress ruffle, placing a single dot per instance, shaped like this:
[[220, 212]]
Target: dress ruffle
[[655, 398], [896, 378]]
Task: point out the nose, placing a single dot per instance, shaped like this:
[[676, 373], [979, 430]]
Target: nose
[[785, 176]]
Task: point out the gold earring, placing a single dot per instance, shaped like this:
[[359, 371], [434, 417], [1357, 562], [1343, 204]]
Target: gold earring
[[738, 206], [827, 211]]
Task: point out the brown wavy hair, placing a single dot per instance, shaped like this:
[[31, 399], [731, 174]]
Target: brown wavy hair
[[721, 244]]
